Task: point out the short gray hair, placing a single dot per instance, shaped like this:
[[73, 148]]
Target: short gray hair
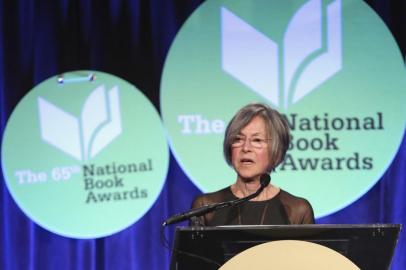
[[276, 125]]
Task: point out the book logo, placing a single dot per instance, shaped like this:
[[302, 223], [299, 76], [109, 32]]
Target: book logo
[[91, 144], [253, 58], [330, 66], [84, 137]]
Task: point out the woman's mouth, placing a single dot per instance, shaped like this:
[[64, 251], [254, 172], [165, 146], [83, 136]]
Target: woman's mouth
[[246, 161]]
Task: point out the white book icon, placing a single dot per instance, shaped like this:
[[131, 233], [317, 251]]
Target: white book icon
[[84, 137], [311, 53]]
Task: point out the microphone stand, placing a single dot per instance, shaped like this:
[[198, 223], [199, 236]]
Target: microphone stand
[[197, 212]]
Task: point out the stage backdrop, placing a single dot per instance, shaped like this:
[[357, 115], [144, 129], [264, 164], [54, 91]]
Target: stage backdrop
[[130, 62]]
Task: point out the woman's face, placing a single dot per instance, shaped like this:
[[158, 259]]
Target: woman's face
[[250, 152]]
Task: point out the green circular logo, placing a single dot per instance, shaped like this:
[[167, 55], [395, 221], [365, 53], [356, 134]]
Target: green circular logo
[[84, 155], [331, 67]]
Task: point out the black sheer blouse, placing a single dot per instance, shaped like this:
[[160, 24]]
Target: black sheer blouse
[[282, 209]]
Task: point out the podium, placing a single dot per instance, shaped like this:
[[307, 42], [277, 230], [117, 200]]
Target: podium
[[369, 247]]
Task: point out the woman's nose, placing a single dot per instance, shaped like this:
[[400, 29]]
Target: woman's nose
[[247, 145]]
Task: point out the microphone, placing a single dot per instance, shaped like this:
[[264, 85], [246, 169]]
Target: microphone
[[197, 212], [265, 180]]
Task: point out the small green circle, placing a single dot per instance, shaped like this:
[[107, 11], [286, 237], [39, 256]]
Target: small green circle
[[331, 67], [85, 155]]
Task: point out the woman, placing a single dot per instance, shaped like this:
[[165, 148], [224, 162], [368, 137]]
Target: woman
[[255, 142]]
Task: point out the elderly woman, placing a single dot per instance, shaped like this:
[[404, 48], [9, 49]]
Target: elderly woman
[[255, 142]]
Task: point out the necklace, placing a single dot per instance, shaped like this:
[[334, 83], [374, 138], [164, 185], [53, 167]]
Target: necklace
[[262, 215], [241, 192], [267, 193]]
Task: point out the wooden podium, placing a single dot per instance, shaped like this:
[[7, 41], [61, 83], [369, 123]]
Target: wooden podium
[[288, 247]]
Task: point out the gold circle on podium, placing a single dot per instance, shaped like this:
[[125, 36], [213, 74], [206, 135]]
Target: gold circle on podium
[[289, 255]]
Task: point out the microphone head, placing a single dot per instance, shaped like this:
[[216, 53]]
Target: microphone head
[[264, 180]]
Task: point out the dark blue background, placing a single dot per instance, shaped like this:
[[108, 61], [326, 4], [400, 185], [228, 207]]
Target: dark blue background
[[130, 39]]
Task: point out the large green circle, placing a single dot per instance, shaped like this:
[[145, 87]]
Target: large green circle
[[76, 192], [346, 128]]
